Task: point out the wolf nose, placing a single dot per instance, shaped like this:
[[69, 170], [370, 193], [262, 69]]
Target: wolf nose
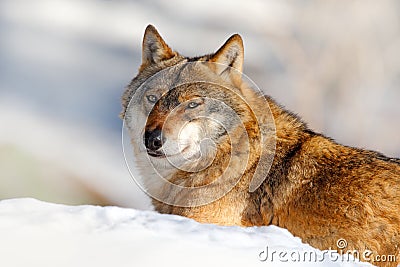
[[153, 140]]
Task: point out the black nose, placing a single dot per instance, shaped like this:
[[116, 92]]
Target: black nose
[[153, 140]]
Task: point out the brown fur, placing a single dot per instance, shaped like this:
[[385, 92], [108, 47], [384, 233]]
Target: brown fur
[[317, 189]]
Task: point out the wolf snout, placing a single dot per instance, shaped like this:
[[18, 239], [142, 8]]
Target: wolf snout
[[153, 140]]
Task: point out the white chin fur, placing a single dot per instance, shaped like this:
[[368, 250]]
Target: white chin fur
[[190, 132], [185, 143]]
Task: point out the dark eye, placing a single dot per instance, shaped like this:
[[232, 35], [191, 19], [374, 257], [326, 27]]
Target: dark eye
[[152, 98], [192, 105]]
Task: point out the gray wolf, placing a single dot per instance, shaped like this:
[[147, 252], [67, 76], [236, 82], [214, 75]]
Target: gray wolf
[[196, 127]]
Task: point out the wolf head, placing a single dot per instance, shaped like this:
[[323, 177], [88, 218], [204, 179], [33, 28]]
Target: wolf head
[[189, 104], [182, 113]]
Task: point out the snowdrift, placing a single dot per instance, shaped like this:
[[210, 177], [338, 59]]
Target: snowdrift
[[35, 233]]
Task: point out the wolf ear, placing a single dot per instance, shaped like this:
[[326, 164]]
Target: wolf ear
[[154, 48], [231, 54]]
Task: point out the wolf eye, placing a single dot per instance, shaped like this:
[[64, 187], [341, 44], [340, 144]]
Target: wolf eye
[[152, 98], [192, 105]]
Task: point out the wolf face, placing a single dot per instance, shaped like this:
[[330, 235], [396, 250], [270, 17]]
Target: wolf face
[[182, 109], [188, 123]]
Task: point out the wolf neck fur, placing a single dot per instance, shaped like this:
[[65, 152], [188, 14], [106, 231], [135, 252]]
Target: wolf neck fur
[[291, 133]]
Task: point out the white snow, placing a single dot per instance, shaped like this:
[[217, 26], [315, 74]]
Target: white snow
[[35, 233]]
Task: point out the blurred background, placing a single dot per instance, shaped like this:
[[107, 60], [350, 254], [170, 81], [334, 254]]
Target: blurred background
[[64, 65]]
